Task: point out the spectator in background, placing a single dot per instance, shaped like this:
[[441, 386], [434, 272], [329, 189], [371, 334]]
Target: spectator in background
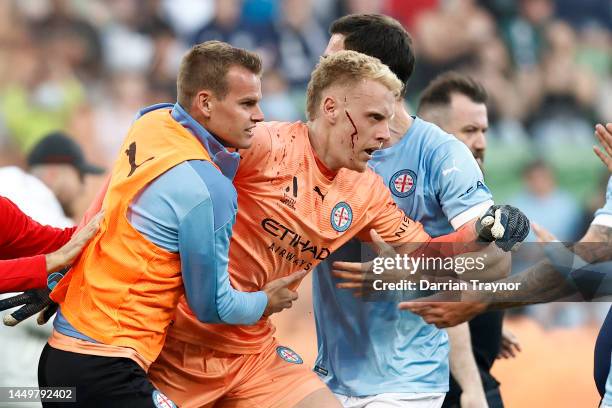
[[167, 52], [228, 25], [187, 16], [39, 97], [72, 38], [447, 38], [47, 194], [126, 93], [555, 210], [260, 11], [277, 104], [585, 13], [127, 46], [363, 6], [57, 169], [522, 25], [408, 15], [545, 204], [301, 40], [594, 53], [455, 30], [524, 31], [493, 68], [568, 92]]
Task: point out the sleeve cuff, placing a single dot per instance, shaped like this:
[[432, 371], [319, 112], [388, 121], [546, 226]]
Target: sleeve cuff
[[475, 211], [41, 270], [245, 308], [260, 304]]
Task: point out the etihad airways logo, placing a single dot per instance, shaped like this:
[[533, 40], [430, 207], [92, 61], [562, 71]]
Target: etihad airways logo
[[292, 240]]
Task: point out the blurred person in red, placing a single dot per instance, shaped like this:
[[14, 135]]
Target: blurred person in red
[[39, 250]]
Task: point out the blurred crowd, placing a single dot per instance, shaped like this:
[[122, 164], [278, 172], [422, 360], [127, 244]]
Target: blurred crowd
[[87, 66]]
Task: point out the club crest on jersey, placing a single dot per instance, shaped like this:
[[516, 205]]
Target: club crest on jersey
[[341, 216], [289, 355], [403, 183], [161, 401]]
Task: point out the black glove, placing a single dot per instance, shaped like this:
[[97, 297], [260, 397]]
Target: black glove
[[33, 301], [504, 224]]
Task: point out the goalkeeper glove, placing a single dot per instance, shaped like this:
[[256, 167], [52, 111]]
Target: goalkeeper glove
[[504, 224], [32, 302]]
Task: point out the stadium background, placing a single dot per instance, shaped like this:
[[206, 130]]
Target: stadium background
[[87, 66]]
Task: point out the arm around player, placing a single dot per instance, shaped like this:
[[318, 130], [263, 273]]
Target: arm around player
[[542, 282], [42, 250]]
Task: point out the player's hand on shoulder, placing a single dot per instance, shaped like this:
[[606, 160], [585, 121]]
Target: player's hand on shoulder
[[280, 296], [504, 224]]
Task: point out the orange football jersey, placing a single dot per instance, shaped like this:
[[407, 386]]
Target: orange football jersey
[[292, 213]]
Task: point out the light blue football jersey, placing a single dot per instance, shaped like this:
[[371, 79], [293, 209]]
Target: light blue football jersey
[[603, 216], [369, 348]]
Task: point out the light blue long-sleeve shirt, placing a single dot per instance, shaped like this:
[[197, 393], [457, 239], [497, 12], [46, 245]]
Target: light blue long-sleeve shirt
[[191, 209]]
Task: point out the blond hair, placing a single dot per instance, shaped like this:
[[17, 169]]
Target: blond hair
[[205, 66], [345, 68]]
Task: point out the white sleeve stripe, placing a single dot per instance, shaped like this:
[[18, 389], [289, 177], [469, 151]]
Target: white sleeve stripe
[[476, 211], [603, 219]]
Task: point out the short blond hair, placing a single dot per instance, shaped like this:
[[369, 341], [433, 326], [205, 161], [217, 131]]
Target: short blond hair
[[344, 68], [205, 66]]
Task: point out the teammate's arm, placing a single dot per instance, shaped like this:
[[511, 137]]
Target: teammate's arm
[[204, 236], [42, 249], [542, 282], [22, 236], [204, 240], [403, 233], [395, 234], [409, 237], [546, 281]]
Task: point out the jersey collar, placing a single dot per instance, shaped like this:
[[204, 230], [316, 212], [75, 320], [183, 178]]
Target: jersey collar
[[382, 153], [226, 160]]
